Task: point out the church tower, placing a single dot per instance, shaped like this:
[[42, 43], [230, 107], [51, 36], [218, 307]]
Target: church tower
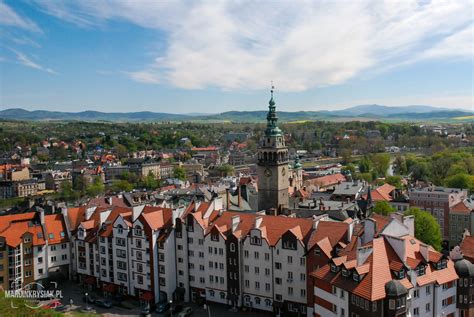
[[272, 165]]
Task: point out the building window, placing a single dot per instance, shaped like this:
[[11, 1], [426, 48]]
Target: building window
[[290, 259], [416, 311], [232, 247], [255, 241], [391, 304], [428, 290], [277, 265], [53, 259], [416, 293], [428, 307]]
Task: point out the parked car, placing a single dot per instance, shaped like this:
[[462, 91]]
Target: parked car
[[162, 307], [176, 309], [187, 311], [103, 303], [90, 299]]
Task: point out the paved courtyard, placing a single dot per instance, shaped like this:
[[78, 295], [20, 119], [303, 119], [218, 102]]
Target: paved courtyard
[[71, 290]]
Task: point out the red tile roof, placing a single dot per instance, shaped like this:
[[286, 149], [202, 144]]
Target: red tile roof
[[326, 181], [467, 248], [461, 208], [382, 193], [56, 229]]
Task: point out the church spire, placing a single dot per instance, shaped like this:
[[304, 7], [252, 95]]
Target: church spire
[[272, 118]]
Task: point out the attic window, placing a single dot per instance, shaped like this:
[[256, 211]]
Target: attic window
[[39, 235], [345, 272], [401, 274], [334, 268], [63, 234], [30, 224], [317, 251], [441, 264], [51, 236], [289, 245], [215, 237], [420, 270], [356, 277], [412, 241], [255, 241]]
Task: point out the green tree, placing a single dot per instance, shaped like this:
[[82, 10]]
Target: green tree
[[461, 180], [420, 171], [96, 188], [122, 185], [395, 180], [427, 228], [226, 170], [364, 165], [383, 208], [346, 155], [348, 168], [150, 182], [400, 165], [179, 173], [366, 177], [381, 162]]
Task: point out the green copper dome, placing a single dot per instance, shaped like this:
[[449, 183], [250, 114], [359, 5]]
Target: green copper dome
[[297, 164], [272, 118]]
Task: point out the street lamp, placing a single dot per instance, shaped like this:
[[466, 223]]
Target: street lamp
[[87, 301], [208, 309], [171, 308]]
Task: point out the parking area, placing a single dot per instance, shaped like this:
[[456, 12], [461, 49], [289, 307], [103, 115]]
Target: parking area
[[71, 290]]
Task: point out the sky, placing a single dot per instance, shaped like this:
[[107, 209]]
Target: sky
[[215, 56]]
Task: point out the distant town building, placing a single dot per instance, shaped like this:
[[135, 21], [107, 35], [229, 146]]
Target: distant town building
[[438, 201]]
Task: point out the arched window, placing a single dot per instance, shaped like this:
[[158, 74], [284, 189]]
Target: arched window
[[257, 300], [264, 156]]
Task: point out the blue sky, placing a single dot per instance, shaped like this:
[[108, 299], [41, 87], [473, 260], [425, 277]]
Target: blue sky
[[179, 57]]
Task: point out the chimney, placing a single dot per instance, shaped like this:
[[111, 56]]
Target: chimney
[[362, 254], [316, 222], [369, 230], [41, 212], [227, 195], [424, 251], [109, 200], [409, 222], [397, 215], [137, 210], [350, 230], [90, 211], [239, 199], [235, 223], [258, 222]]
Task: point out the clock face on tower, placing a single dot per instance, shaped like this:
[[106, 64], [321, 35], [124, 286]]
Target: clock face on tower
[[267, 172]]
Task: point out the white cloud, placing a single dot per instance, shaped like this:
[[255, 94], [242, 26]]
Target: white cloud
[[28, 62], [9, 17], [298, 45]]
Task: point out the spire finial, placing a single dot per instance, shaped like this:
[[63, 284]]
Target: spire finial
[[273, 87]]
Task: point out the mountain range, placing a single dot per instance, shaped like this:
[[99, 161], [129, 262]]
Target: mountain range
[[361, 112]]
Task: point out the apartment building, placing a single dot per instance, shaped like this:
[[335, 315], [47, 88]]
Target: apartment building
[[438, 201], [33, 247], [386, 274], [461, 218]]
